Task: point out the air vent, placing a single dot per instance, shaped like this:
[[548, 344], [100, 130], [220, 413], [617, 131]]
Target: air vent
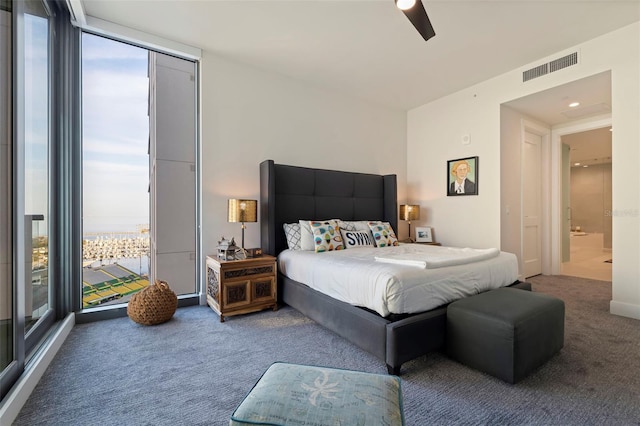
[[535, 72], [563, 62], [555, 65]]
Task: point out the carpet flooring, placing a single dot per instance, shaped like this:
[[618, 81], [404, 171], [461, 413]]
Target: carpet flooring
[[194, 370]]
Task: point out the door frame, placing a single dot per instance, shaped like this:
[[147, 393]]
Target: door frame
[[556, 181]]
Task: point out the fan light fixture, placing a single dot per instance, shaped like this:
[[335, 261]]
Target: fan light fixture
[[415, 12], [405, 4]]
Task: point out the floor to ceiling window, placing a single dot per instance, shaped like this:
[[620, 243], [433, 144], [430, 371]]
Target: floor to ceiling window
[[139, 174], [98, 178], [115, 245], [36, 165], [6, 287], [25, 184]]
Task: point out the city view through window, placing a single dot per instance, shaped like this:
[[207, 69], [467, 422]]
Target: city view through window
[[115, 246]]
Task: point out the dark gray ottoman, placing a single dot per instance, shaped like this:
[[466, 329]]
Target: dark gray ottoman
[[505, 332]]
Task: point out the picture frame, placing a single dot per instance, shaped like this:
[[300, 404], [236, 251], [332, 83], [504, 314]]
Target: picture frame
[[462, 176], [423, 234]]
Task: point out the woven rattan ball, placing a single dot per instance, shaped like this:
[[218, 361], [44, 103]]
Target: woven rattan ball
[[153, 304]]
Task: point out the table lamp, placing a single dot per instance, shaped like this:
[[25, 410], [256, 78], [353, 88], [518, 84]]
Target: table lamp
[[409, 212], [243, 211]]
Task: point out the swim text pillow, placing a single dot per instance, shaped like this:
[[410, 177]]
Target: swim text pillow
[[354, 239]]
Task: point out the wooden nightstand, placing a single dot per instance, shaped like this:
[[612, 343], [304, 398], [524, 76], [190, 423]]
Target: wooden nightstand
[[241, 286], [430, 244]]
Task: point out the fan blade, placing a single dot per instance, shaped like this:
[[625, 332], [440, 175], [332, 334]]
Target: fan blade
[[418, 17]]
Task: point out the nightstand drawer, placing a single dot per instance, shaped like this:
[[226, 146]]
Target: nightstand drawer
[[235, 294], [263, 289]]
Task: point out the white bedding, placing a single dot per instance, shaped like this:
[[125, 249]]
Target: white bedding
[[446, 256], [355, 277]]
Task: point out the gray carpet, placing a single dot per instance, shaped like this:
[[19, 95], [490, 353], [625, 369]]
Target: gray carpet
[[194, 370]]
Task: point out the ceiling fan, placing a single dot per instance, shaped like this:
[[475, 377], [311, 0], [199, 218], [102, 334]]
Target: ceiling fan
[[414, 10]]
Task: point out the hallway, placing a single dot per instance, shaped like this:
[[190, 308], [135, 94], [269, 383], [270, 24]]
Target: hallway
[[588, 258]]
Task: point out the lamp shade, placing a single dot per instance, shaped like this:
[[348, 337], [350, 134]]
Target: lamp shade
[[243, 210], [409, 212]]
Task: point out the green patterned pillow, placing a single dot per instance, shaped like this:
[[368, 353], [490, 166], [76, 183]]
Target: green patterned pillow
[[326, 235], [290, 394], [383, 234]]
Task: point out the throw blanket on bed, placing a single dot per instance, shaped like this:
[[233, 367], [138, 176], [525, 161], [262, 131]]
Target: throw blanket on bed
[[448, 256]]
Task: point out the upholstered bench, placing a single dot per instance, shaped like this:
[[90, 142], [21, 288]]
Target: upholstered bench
[[506, 332], [290, 394]]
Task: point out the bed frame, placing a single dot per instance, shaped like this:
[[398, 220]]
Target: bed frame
[[290, 193]]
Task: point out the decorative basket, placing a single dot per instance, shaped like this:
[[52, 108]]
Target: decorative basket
[[153, 304]]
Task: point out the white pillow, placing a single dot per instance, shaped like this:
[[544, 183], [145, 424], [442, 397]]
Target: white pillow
[[292, 232], [383, 234], [358, 225], [306, 237], [353, 239], [326, 235]]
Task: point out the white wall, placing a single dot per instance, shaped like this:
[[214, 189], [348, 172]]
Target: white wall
[[435, 132], [249, 115], [510, 189]]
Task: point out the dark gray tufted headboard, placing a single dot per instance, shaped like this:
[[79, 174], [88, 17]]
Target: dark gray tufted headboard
[[290, 193]]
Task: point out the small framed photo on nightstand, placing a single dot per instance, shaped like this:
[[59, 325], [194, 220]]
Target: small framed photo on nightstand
[[423, 235]]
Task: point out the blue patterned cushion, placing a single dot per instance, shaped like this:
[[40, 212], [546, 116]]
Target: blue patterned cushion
[[383, 234], [306, 233], [326, 236], [289, 394]]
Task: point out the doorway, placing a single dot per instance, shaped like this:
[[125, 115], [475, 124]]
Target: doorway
[[587, 192], [575, 107]]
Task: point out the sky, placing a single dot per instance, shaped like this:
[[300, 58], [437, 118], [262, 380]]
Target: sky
[[36, 122], [115, 89]]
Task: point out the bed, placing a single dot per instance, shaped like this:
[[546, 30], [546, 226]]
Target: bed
[[289, 193]]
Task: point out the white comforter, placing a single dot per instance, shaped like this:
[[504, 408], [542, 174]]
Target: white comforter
[[355, 277], [447, 256]]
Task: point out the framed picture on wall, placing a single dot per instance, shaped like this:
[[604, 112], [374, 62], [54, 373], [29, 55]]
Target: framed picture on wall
[[462, 176], [423, 235]]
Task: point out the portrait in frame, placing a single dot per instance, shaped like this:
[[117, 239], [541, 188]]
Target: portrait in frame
[[462, 176]]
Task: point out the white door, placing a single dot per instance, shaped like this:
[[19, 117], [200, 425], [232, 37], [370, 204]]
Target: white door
[[531, 204]]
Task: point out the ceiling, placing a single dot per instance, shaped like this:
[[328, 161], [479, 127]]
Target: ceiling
[[552, 106], [368, 49], [589, 148]]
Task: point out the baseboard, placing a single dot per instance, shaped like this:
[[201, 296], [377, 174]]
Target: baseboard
[[17, 397], [624, 309]]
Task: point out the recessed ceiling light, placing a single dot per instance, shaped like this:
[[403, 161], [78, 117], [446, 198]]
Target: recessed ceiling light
[[585, 166], [574, 104], [576, 164]]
